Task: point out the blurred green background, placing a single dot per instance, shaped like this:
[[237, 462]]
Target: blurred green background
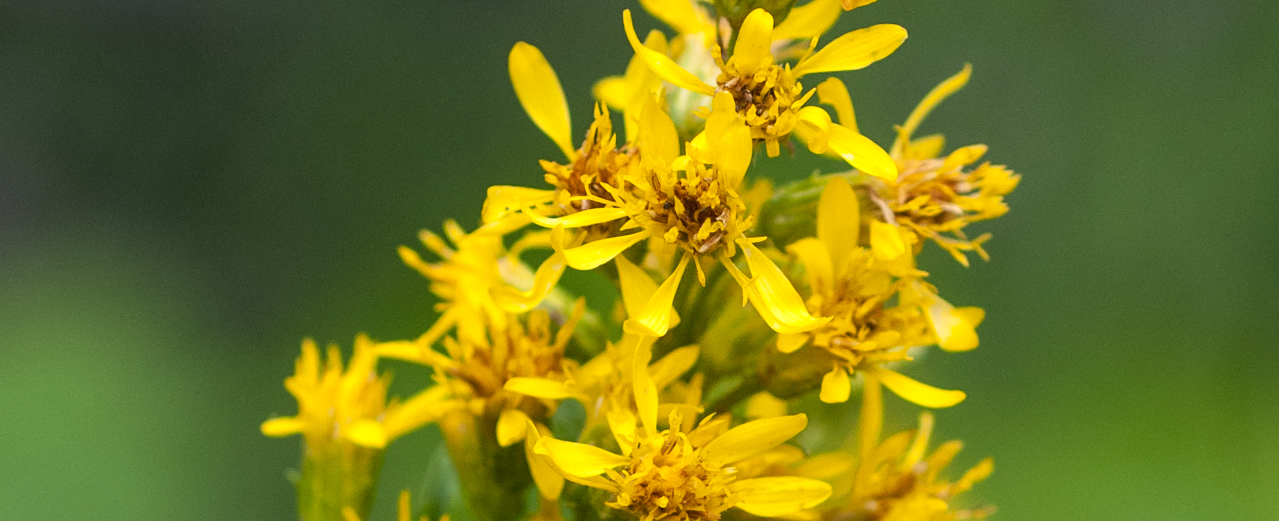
[[188, 188]]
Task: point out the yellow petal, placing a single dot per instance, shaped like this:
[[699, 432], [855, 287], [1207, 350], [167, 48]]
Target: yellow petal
[[808, 20], [765, 405], [673, 365], [854, 50], [962, 156], [679, 14], [654, 319], [613, 91], [662, 64], [622, 423], [838, 223], [549, 482], [280, 427], [754, 437], [548, 274], [920, 445], [836, 386], [791, 342], [916, 392], [642, 385], [657, 138], [578, 219], [404, 507], [637, 288], [935, 96], [578, 459], [774, 297], [754, 42], [926, 147], [540, 93], [833, 92], [779, 495], [504, 199], [861, 152], [594, 254], [816, 259], [539, 388], [366, 433], [348, 514], [885, 241], [424, 407], [511, 427]]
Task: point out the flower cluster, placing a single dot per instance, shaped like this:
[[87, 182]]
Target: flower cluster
[[689, 396]]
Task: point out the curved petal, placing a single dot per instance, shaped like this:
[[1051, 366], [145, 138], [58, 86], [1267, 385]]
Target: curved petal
[[662, 64], [836, 386], [962, 156], [280, 427], [838, 223], [578, 219], [366, 433], [916, 392], [540, 93], [549, 482], [833, 92], [637, 288], [779, 495], [935, 96], [503, 199], [861, 152], [512, 426], [854, 50], [539, 388], [817, 265], [679, 14], [424, 407], [774, 296], [754, 42], [548, 274], [578, 459], [642, 385], [673, 365], [808, 20], [885, 241], [594, 254], [753, 437], [654, 318]]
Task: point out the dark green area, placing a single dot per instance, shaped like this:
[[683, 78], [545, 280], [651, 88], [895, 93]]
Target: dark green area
[[187, 189]]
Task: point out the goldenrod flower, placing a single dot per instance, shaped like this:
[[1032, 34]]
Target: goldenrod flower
[[672, 474], [769, 96], [336, 405], [854, 287], [899, 481], [935, 197]]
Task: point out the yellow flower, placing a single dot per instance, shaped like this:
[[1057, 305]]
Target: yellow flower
[[685, 475], [349, 406], [935, 197], [854, 286], [769, 96], [899, 481]]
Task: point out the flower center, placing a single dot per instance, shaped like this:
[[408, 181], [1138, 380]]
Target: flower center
[[667, 479]]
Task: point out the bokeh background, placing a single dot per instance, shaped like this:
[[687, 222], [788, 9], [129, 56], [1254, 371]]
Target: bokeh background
[[188, 188]]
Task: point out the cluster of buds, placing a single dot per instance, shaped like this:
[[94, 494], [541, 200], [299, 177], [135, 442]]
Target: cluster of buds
[[690, 396]]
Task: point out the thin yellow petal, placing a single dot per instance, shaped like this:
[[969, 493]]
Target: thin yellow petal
[[658, 137], [774, 297], [920, 445], [538, 89], [642, 385], [808, 20], [861, 152], [594, 254], [578, 219], [578, 459], [885, 241], [916, 392], [539, 388], [511, 427], [549, 482], [501, 200], [280, 427], [779, 495], [548, 274], [754, 43], [622, 423], [637, 288], [348, 514], [673, 365], [871, 418], [836, 386], [366, 433], [755, 437], [935, 96], [424, 407], [613, 91], [962, 156], [854, 50], [655, 317], [838, 223], [662, 64], [405, 506], [833, 92]]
